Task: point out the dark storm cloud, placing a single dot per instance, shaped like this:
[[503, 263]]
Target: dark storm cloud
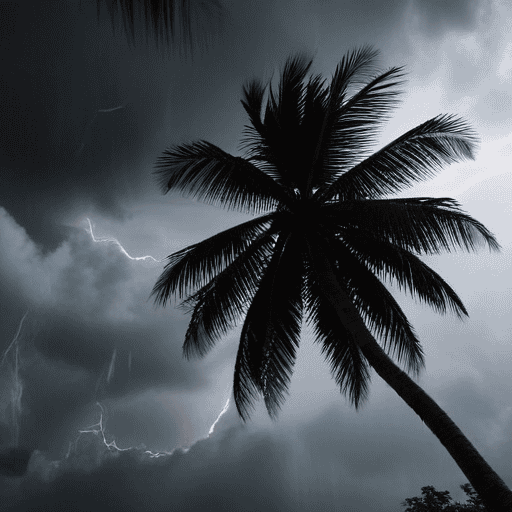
[[237, 471], [438, 16], [365, 462], [347, 23], [59, 68], [14, 461], [85, 301]]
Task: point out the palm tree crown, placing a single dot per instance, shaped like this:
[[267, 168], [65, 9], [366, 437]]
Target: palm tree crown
[[314, 187]]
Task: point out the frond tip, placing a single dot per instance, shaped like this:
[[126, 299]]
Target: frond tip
[[209, 174], [196, 265], [415, 156]]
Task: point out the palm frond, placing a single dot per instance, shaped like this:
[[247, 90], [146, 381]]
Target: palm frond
[[414, 156], [194, 266], [271, 331], [380, 311], [348, 365], [353, 70], [284, 322], [260, 144], [260, 141], [314, 112], [292, 93], [218, 305], [273, 141], [423, 225], [164, 18], [252, 101], [353, 127], [213, 176], [396, 264], [245, 387]]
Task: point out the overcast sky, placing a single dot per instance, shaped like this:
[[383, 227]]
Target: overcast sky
[[91, 336]]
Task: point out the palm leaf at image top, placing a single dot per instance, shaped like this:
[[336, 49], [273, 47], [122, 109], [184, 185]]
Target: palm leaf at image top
[[313, 186], [177, 24]]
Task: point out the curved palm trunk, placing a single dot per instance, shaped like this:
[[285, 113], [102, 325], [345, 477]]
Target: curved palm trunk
[[496, 496]]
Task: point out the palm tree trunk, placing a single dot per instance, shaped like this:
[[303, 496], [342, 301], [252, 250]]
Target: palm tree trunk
[[496, 496]]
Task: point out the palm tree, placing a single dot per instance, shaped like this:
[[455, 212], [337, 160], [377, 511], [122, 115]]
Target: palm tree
[[324, 237], [164, 17]]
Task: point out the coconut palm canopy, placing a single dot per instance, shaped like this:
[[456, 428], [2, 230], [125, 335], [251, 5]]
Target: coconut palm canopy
[[315, 188]]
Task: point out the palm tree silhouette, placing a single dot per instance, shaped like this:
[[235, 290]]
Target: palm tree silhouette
[[166, 17], [324, 238]]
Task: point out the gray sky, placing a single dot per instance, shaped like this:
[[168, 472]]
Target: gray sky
[[64, 162]]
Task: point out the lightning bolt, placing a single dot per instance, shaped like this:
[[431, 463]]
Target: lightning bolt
[[110, 109], [109, 371], [17, 383], [224, 411], [111, 366], [91, 122], [98, 430], [115, 241]]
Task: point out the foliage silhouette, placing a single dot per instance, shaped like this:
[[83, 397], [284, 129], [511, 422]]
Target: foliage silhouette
[[324, 239], [164, 18], [441, 501]]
